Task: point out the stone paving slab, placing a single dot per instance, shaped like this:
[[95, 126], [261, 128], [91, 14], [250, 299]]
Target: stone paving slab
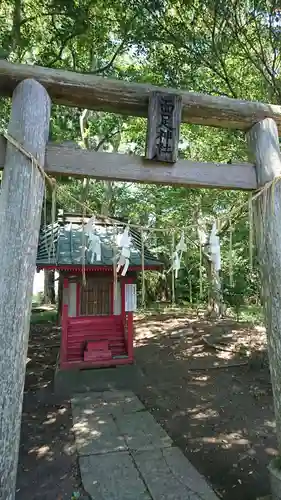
[[124, 454], [142, 432], [112, 477], [170, 476], [96, 434], [107, 402]]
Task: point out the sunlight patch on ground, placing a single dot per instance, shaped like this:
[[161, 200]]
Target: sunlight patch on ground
[[83, 428], [50, 420], [194, 338], [201, 378], [42, 452], [270, 423], [209, 413], [226, 440], [273, 452], [52, 416]]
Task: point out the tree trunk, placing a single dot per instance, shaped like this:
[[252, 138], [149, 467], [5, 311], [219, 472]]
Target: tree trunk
[[215, 307], [49, 287], [20, 211], [264, 143], [107, 199]]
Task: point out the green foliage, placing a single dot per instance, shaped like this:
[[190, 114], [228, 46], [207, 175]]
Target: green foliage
[[234, 295], [221, 48], [252, 313], [43, 317]]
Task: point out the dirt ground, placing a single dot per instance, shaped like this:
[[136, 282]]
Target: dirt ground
[[216, 403], [47, 460], [221, 416]]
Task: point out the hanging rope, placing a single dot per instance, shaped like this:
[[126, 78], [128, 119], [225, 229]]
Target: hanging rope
[[61, 189], [262, 217], [269, 185], [31, 157]]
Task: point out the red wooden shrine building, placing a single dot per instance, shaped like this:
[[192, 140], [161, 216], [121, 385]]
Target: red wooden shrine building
[[96, 313]]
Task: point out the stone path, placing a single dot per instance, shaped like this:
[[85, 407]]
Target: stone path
[[124, 454]]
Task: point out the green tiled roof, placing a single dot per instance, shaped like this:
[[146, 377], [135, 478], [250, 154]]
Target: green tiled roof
[[63, 245]]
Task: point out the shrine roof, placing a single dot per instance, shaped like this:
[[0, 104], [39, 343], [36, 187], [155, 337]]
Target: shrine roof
[[63, 245]]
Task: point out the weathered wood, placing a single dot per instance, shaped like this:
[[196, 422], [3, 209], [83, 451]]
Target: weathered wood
[[20, 211], [72, 161], [163, 127], [117, 96], [264, 143]]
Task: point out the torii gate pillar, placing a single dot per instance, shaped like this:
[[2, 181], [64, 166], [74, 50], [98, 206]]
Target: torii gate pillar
[[264, 143], [20, 213]]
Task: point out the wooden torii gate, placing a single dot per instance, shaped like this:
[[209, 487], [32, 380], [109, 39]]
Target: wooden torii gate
[[22, 196]]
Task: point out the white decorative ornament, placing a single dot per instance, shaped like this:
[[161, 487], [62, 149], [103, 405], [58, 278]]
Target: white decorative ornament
[[121, 262], [177, 255], [125, 239], [95, 247], [202, 236], [176, 263], [181, 246], [94, 240], [215, 248], [90, 225], [124, 258]]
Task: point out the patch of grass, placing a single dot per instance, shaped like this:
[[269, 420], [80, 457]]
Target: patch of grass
[[248, 313], [43, 317], [252, 314], [168, 308]]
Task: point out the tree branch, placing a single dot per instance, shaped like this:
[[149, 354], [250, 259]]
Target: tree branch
[[63, 47], [110, 63], [42, 14], [106, 138], [246, 45], [16, 25], [178, 44], [219, 56]]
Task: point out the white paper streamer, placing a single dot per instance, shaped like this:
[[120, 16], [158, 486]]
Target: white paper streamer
[[124, 258], [177, 255], [181, 246], [95, 247], [176, 263], [94, 241], [215, 248]]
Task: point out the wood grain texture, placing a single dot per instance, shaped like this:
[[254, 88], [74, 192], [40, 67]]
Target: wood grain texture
[[117, 96], [20, 213], [68, 160], [264, 144], [163, 127]]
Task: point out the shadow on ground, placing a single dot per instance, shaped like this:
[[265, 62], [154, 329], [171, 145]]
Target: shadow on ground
[[220, 416], [47, 460], [215, 402]]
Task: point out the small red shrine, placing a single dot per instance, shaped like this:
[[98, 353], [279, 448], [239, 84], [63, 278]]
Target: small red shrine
[[97, 311]]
